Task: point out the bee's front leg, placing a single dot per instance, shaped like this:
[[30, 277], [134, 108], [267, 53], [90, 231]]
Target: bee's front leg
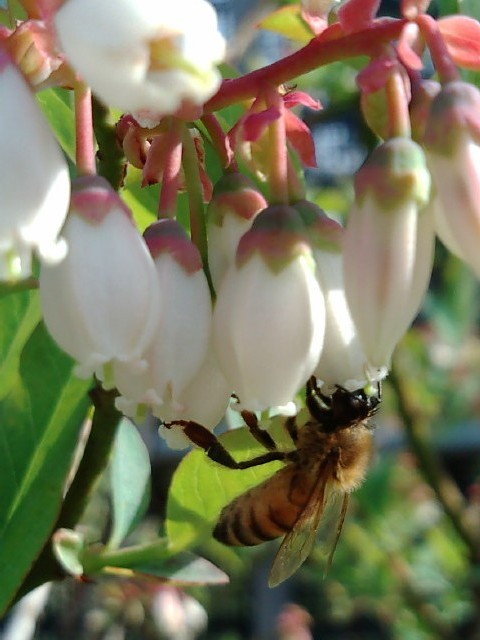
[[215, 450], [260, 435], [317, 403]]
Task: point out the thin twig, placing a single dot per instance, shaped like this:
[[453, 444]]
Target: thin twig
[[445, 489], [94, 460]]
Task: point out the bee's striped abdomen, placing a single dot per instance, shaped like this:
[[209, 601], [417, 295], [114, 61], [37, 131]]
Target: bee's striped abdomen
[[265, 512]]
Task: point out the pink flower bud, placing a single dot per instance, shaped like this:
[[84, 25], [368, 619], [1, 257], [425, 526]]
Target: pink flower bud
[[101, 303], [33, 47], [182, 334], [34, 179], [388, 246], [269, 319], [235, 203], [452, 143]]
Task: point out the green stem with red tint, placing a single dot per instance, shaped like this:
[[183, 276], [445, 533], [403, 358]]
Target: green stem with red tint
[[444, 65], [198, 227], [399, 117]]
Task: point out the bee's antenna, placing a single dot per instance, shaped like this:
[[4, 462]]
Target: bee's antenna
[[380, 389]]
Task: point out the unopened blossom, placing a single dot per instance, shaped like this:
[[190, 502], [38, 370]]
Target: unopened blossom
[[452, 143], [34, 179], [269, 319], [32, 46], [235, 203], [343, 361], [101, 302], [388, 246], [143, 55], [179, 345]]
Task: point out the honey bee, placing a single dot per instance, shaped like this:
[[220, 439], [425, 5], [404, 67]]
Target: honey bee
[[332, 452]]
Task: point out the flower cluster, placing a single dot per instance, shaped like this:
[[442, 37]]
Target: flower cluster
[[266, 290]]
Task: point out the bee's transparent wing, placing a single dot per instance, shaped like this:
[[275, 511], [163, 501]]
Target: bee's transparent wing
[[298, 543]]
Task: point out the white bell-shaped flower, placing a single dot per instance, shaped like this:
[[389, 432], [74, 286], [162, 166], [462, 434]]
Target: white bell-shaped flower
[[143, 54], [269, 319], [205, 401], [101, 302], [452, 143], [34, 179], [388, 246], [234, 204], [179, 345], [343, 361]]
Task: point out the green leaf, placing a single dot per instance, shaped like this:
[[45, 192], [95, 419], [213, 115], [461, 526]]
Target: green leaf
[[68, 547], [155, 560], [130, 481], [289, 23], [19, 315], [201, 488], [184, 569], [40, 420], [143, 201], [56, 105]]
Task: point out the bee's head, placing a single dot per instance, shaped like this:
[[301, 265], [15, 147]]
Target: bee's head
[[349, 407]]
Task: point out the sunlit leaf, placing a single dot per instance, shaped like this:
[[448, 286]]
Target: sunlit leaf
[[184, 569], [56, 105], [201, 488], [288, 22], [19, 315], [40, 420]]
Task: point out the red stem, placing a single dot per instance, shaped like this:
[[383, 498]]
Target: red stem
[[446, 68], [316, 53], [220, 141], [167, 204], [85, 141]]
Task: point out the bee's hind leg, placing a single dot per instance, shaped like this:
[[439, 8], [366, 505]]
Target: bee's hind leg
[[215, 450], [292, 428]]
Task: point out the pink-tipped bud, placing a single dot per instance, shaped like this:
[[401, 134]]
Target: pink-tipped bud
[[343, 361], [452, 144], [388, 246], [182, 334], [269, 320], [235, 203], [32, 46], [101, 303]]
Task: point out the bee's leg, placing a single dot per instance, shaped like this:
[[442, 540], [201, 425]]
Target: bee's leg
[[292, 428], [215, 450], [260, 435], [317, 403], [314, 390]]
